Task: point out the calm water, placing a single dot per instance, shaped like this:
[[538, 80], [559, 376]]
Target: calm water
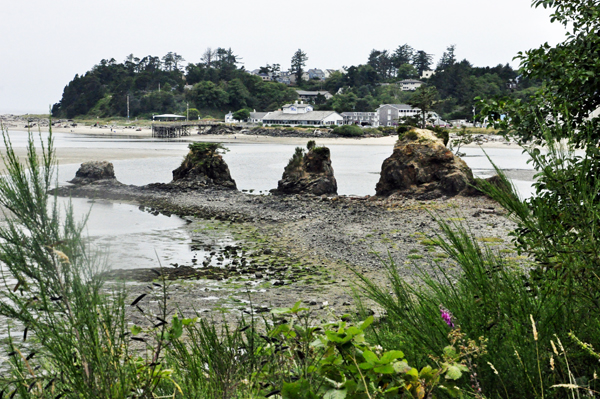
[[138, 239]]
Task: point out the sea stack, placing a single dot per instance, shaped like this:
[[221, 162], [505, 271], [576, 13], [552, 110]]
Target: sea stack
[[422, 167], [203, 166], [95, 172], [308, 173]]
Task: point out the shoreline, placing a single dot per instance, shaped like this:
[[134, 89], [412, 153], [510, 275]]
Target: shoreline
[[146, 133], [300, 246]]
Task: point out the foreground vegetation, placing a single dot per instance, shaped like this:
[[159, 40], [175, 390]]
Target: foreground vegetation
[[487, 329]]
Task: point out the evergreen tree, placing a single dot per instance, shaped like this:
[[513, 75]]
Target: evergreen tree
[[422, 61], [298, 63]]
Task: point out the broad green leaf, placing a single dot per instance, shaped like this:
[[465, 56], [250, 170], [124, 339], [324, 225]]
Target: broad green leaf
[[370, 357], [176, 328], [387, 369], [352, 331], [413, 372], [297, 390], [366, 366], [390, 356], [453, 373], [451, 352], [401, 367], [335, 394], [188, 321], [366, 323], [359, 338], [135, 330]]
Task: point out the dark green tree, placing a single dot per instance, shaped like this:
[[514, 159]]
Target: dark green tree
[[422, 61], [424, 98], [209, 95], [448, 58], [241, 115], [298, 63], [402, 55]]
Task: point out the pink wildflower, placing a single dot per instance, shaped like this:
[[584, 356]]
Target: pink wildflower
[[447, 316]]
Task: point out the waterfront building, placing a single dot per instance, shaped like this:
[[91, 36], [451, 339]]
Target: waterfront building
[[361, 118]]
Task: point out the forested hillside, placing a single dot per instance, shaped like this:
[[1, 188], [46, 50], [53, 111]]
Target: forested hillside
[[156, 85], [218, 84]]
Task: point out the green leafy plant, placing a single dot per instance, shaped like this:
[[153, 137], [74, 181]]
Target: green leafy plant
[[334, 360]]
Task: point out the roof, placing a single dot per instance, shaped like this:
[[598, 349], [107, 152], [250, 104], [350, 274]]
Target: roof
[[312, 93], [297, 105], [309, 116], [167, 116], [397, 106], [411, 81], [370, 113], [257, 115]]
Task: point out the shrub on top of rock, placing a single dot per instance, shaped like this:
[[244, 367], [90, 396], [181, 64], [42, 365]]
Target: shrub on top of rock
[[204, 165], [348, 131], [308, 172]]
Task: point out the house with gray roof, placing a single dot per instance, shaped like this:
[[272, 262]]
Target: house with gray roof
[[410, 84], [316, 74], [311, 96], [302, 114]]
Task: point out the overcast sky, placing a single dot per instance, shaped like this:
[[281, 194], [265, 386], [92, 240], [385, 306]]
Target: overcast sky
[[44, 43]]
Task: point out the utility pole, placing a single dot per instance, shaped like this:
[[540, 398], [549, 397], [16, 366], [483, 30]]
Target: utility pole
[[128, 108], [187, 112]]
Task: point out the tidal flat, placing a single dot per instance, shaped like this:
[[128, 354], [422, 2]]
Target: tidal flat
[[266, 251]]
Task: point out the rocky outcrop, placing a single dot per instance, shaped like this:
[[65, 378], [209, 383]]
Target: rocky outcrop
[[308, 173], [203, 166], [421, 167], [95, 172]]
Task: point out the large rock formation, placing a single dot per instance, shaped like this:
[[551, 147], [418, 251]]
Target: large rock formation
[[308, 173], [95, 172], [203, 166], [422, 167]]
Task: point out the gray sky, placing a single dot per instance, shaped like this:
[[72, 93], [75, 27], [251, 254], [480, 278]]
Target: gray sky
[[45, 43]]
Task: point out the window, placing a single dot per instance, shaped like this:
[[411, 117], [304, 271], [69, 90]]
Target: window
[[389, 111], [389, 118]]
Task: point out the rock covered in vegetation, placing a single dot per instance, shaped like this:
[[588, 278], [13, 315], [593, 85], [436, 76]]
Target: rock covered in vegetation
[[308, 172], [95, 172], [422, 167], [203, 166]]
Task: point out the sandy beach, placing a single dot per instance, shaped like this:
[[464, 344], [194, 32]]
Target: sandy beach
[[146, 132]]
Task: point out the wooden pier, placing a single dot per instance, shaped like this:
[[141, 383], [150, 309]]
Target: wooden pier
[[177, 129]]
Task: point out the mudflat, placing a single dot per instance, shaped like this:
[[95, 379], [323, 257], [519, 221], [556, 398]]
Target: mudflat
[[299, 247]]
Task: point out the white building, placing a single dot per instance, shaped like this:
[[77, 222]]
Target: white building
[[361, 118], [311, 96], [302, 114], [410, 84]]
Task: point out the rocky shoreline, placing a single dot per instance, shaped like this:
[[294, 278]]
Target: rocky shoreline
[[298, 247]]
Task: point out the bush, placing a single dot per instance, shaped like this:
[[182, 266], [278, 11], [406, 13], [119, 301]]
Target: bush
[[310, 145], [348, 131], [441, 133], [525, 310], [193, 114], [53, 290]]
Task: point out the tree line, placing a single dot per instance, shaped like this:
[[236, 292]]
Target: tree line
[[220, 83]]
